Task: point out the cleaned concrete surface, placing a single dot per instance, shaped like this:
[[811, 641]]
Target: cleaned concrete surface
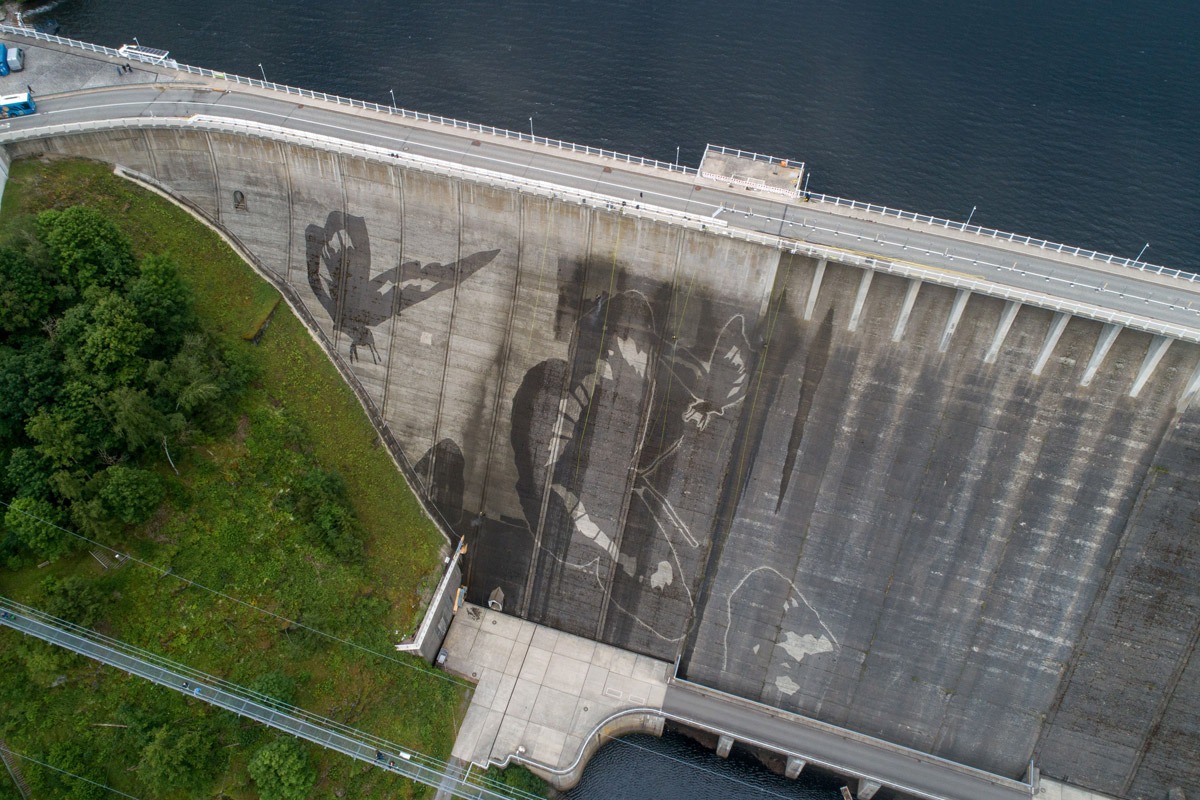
[[1054, 790], [915, 512], [540, 689]]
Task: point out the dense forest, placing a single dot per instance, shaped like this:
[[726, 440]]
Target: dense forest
[[103, 370]]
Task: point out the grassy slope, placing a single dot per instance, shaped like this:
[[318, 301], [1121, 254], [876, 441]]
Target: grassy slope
[[221, 529]]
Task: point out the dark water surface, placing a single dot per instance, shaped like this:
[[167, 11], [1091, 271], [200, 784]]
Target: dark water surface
[[676, 767], [1073, 120]]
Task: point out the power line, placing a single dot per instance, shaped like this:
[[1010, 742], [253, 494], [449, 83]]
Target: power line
[[403, 761], [64, 772], [171, 572]]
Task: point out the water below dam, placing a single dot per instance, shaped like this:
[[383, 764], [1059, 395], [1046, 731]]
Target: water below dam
[[1073, 121], [643, 766]]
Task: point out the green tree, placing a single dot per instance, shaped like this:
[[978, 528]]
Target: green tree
[[112, 342], [177, 760], [70, 757], [33, 520], [87, 247], [282, 771], [26, 291], [194, 376], [57, 437], [130, 494], [275, 685], [72, 599], [318, 498], [27, 474], [29, 379], [135, 418], [163, 303]]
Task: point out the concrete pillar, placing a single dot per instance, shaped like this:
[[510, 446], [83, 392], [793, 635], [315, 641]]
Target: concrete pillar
[[866, 788], [910, 297], [1108, 335], [1052, 336], [1189, 391], [724, 745], [960, 302], [811, 302], [1158, 348], [1006, 320], [863, 285], [794, 767]]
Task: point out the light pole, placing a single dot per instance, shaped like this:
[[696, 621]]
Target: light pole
[[264, 72], [531, 127], [1141, 253], [135, 41], [968, 222], [677, 155], [392, 92], [807, 175]]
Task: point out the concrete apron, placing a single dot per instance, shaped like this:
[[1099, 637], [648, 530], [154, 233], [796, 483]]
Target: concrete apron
[[546, 699]]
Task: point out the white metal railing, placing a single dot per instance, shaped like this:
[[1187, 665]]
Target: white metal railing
[[556, 144], [749, 183], [1041, 244], [733, 151], [424, 163], [612, 204]]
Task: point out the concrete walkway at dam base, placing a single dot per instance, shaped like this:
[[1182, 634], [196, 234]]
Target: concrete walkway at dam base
[[544, 698]]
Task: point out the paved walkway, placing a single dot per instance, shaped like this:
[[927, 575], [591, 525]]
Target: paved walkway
[[543, 695]]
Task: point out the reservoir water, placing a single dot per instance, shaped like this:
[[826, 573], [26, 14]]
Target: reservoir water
[[1074, 121]]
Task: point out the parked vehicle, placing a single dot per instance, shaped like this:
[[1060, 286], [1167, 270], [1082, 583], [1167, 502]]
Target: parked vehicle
[[17, 105], [15, 58]]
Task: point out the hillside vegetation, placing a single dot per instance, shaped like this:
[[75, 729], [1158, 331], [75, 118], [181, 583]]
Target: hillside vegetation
[[136, 411]]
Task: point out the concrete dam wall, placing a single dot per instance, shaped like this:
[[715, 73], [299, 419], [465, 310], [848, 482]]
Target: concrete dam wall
[[923, 514]]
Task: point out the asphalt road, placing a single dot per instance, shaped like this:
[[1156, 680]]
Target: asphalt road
[[1122, 289], [326, 733], [907, 770]]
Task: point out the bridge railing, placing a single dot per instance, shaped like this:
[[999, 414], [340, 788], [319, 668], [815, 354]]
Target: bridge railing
[[733, 151], [992, 233], [473, 127]]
